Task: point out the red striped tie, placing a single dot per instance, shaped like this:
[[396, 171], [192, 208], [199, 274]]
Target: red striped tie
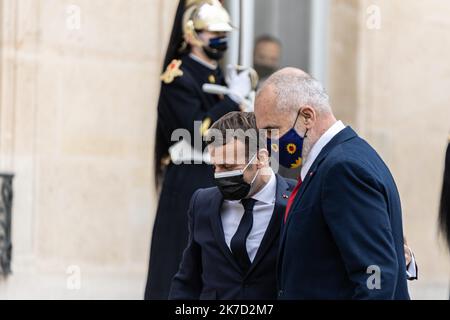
[[291, 198]]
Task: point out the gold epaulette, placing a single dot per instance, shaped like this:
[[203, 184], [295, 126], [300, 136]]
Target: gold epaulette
[[205, 126], [172, 71]]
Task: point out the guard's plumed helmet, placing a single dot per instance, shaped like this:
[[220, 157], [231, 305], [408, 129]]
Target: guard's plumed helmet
[[205, 15]]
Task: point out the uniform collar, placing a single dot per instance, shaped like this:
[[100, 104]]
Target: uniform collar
[[203, 63]]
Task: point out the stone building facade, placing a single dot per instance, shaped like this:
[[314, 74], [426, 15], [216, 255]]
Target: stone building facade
[[79, 82]]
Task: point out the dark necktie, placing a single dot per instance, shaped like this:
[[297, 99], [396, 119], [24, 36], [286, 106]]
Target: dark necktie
[[238, 242]]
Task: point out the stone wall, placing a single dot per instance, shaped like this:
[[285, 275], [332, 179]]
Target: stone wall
[[79, 86]]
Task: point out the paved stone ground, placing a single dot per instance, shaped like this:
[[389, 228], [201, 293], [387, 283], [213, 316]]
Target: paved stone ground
[[130, 285], [420, 290]]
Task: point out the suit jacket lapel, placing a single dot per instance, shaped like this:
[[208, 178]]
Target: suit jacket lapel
[[217, 228], [273, 229], [341, 137]]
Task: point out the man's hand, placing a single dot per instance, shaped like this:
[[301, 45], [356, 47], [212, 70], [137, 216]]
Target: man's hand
[[411, 265], [408, 254]]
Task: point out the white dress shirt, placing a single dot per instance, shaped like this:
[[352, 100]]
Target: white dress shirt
[[232, 212], [319, 145], [314, 153]]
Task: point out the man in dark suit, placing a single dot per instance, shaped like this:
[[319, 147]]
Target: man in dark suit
[[234, 227], [343, 236], [197, 42]]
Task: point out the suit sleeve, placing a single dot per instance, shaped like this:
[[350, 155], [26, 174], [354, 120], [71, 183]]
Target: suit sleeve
[[180, 106], [356, 213], [187, 283]]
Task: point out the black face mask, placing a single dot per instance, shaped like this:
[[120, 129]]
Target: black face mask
[[264, 71], [232, 184], [216, 48]]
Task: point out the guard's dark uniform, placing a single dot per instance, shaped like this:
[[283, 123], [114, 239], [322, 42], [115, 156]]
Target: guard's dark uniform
[[181, 102]]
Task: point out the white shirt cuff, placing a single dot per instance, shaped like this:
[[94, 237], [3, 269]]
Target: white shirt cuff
[[411, 270]]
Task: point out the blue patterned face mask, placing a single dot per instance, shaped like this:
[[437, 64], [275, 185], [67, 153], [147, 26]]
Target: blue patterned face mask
[[288, 147]]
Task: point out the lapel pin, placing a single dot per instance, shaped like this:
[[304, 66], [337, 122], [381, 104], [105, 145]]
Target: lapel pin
[[285, 196]]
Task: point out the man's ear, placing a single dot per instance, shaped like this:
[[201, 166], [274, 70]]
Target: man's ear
[[263, 158], [308, 115]]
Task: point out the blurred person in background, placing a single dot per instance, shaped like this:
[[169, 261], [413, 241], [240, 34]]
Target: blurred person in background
[[444, 210], [266, 56], [197, 43]]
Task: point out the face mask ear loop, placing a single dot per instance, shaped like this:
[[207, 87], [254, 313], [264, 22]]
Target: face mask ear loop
[[251, 160], [296, 119], [256, 174], [254, 178]]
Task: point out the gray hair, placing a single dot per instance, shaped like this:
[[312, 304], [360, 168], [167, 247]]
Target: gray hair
[[295, 90]]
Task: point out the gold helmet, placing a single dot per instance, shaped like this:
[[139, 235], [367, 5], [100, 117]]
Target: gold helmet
[[205, 15]]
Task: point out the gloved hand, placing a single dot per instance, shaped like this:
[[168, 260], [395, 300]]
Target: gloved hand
[[239, 84]]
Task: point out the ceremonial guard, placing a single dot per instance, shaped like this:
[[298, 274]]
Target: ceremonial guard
[[197, 43]]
